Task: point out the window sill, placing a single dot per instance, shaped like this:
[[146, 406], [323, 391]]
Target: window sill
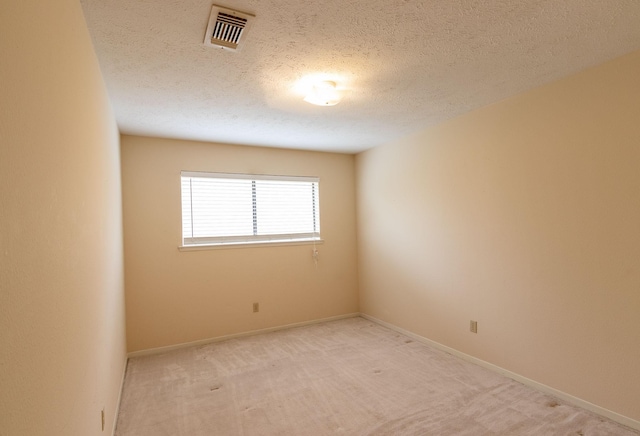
[[252, 244]]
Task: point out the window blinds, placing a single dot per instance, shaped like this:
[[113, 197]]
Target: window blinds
[[219, 208]]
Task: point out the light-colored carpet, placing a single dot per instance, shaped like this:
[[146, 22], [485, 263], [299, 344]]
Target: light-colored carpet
[[350, 377]]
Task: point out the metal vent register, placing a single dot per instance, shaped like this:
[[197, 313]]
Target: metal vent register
[[227, 28]]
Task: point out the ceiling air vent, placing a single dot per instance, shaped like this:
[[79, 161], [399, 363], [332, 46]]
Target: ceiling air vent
[[227, 28]]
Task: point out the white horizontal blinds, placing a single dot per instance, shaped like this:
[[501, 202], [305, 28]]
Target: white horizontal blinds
[[215, 208], [185, 189], [226, 208], [286, 207]]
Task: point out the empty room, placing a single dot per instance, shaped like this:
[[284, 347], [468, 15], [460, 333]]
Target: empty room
[[265, 217]]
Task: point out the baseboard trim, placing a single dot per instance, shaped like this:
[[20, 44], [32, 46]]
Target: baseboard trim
[[117, 411], [159, 350], [621, 419]]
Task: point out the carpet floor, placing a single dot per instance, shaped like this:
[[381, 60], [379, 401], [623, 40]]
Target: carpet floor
[[350, 377]]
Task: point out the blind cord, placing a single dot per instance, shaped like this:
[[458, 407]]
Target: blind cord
[[315, 255]]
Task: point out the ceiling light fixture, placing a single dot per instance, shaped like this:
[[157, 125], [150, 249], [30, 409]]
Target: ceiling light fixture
[[323, 93]]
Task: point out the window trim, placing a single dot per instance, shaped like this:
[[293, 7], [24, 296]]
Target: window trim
[[214, 175], [252, 244], [208, 243]]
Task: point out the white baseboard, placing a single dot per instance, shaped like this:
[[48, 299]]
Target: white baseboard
[[117, 411], [632, 423], [237, 335]]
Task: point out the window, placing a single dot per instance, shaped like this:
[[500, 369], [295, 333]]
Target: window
[[219, 208]]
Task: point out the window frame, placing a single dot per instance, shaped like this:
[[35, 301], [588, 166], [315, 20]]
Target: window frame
[[206, 243]]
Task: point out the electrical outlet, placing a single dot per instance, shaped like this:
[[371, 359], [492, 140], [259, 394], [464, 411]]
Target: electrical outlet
[[473, 326], [102, 418], [256, 307]]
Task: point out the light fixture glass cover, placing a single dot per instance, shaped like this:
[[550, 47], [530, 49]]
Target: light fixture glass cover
[[323, 93]]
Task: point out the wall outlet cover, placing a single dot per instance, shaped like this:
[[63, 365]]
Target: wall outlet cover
[[473, 326]]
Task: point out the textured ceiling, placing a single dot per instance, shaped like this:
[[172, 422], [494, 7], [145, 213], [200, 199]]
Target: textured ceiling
[[404, 65]]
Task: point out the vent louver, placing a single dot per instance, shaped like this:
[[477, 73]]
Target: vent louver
[[227, 28]]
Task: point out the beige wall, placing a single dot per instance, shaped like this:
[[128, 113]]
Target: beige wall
[[177, 296], [524, 216], [62, 339]]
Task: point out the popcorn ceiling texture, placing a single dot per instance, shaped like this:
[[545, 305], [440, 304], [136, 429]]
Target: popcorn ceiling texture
[[406, 65]]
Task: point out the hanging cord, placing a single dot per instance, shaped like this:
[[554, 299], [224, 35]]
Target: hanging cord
[[314, 254]]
